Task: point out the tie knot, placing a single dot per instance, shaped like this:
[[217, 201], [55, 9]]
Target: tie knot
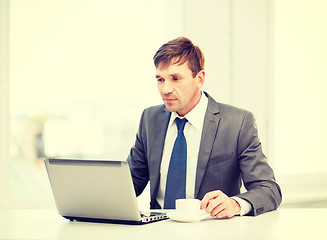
[[180, 123]]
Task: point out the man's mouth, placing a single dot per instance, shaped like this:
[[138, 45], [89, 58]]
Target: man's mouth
[[169, 100]]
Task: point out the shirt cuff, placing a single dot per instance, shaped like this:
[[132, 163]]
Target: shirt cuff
[[245, 206]]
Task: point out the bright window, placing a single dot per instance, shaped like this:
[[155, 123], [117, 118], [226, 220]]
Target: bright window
[[81, 73]]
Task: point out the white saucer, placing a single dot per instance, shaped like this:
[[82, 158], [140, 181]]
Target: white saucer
[[186, 218]]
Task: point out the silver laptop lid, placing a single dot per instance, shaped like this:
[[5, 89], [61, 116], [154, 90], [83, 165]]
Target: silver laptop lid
[[93, 189]]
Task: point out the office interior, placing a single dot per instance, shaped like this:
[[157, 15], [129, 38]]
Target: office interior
[[76, 75]]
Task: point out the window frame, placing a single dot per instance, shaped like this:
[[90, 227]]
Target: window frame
[[4, 104]]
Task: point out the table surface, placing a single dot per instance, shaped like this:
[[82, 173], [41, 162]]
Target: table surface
[[281, 224]]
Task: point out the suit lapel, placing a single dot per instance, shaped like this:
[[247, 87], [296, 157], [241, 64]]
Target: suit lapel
[[157, 150], [209, 133]]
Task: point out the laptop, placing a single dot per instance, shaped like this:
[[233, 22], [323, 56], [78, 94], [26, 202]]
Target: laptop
[[96, 191]]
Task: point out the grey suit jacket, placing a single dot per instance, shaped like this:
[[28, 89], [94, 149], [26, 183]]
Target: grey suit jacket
[[230, 150]]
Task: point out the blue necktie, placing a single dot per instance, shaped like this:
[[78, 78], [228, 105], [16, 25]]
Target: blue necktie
[[176, 177]]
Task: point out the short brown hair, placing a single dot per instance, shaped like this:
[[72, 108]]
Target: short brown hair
[[180, 50]]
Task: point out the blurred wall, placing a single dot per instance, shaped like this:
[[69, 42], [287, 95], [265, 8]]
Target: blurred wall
[[263, 55], [300, 102]]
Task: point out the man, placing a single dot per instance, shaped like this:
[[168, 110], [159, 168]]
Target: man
[[194, 147]]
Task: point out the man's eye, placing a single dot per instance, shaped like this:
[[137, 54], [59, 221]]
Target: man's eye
[[160, 80], [176, 78]]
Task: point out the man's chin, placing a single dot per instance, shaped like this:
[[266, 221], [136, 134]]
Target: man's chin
[[171, 108]]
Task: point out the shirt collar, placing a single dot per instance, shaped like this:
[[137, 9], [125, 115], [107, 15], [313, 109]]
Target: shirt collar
[[196, 115]]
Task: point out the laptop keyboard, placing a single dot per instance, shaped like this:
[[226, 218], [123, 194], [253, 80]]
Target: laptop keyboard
[[153, 216]]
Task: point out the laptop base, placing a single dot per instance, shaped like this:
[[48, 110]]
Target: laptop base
[[114, 221]]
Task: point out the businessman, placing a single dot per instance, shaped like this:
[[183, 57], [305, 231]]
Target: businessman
[[194, 147]]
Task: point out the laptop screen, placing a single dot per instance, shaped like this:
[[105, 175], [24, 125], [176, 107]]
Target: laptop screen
[[93, 189]]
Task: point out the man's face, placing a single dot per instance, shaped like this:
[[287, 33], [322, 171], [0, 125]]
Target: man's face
[[178, 89]]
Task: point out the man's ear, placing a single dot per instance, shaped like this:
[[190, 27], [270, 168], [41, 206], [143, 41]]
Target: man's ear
[[201, 78]]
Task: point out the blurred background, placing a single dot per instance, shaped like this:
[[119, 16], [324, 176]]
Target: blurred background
[[75, 76]]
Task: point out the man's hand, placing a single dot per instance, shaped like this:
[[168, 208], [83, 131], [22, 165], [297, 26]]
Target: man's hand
[[220, 205]]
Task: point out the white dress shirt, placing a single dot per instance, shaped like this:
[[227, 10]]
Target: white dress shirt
[[192, 131]]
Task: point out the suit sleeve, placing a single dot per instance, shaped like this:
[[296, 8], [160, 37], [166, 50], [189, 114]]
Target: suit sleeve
[[263, 192], [138, 162]]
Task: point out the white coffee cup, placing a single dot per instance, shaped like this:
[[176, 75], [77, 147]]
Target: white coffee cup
[[188, 207]]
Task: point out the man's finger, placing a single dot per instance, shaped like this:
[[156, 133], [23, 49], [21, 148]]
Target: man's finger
[[222, 214], [219, 208], [214, 203], [208, 198]]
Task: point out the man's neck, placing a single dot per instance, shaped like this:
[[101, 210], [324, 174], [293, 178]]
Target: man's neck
[[197, 98]]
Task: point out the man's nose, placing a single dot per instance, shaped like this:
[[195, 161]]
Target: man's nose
[[167, 88]]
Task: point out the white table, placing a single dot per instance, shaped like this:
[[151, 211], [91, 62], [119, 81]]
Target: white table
[[281, 224]]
